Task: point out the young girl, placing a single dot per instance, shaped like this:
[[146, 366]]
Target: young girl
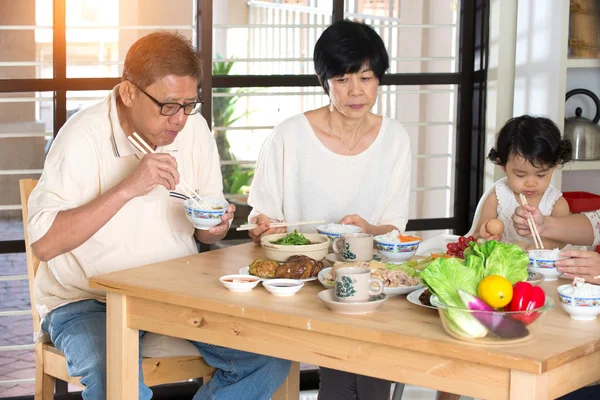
[[528, 149]]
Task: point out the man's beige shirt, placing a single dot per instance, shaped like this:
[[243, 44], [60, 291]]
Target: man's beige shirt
[[90, 155]]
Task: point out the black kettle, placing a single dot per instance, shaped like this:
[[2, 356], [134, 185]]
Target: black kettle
[[583, 133]]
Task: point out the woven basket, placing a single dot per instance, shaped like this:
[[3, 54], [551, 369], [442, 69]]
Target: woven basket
[[584, 32]]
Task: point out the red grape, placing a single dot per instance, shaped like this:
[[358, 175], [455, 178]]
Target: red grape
[[472, 239], [462, 240], [460, 254], [449, 246]]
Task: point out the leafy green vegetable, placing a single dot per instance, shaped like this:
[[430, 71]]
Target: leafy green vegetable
[[294, 238], [408, 267], [444, 275], [497, 258]]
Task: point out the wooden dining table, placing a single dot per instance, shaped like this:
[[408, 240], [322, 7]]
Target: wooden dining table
[[400, 342]]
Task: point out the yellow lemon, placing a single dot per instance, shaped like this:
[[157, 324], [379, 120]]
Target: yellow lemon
[[496, 291]]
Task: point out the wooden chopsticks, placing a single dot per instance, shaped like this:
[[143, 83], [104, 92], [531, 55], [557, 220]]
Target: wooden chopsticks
[[532, 226], [143, 147], [280, 225]]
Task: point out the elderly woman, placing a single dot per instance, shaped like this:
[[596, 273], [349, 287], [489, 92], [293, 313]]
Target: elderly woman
[[578, 229], [339, 163]]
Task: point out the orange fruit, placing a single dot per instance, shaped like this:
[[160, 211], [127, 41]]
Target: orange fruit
[[496, 291]]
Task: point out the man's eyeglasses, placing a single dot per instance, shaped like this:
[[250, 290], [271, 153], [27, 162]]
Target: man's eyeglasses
[[170, 109]]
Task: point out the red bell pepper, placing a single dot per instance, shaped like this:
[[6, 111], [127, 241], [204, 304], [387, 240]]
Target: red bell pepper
[[526, 297]]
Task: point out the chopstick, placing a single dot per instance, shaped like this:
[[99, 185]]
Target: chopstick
[[532, 226], [280, 225], [183, 185]]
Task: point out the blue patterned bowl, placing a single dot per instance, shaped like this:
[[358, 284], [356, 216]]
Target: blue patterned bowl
[[205, 218], [396, 251], [582, 308], [543, 262]]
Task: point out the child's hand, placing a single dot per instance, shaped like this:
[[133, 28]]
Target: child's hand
[[483, 233], [520, 219]]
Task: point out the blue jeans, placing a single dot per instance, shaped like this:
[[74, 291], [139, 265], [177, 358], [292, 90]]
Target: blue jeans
[[78, 330]]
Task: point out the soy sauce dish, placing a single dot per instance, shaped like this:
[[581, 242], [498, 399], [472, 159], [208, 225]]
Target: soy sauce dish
[[283, 287], [239, 283]]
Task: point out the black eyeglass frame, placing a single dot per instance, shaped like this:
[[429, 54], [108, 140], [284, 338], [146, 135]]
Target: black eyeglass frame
[[179, 105]]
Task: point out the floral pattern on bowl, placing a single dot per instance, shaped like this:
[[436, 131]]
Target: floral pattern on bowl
[[546, 264], [579, 302]]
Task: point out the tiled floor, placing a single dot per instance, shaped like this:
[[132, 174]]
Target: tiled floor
[[15, 330]]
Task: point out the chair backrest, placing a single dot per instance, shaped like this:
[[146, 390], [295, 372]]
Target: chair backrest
[[477, 216], [27, 186]]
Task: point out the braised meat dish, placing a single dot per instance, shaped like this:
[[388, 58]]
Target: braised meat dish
[[299, 267], [264, 268]]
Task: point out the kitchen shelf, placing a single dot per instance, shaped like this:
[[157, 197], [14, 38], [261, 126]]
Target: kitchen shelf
[[583, 62], [582, 166]]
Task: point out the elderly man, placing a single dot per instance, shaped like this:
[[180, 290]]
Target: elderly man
[[101, 206]]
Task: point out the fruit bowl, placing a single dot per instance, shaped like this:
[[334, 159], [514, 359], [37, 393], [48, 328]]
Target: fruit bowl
[[490, 327]]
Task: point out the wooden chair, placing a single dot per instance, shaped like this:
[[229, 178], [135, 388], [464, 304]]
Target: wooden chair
[[51, 364]]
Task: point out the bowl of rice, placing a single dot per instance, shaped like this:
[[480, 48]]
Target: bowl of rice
[[397, 247], [206, 213], [543, 262], [333, 231]]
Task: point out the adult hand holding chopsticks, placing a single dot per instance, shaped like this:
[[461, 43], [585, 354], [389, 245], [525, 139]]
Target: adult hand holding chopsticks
[[153, 170], [263, 228]]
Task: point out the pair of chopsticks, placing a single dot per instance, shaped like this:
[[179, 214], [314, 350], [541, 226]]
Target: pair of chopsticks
[[532, 226], [280, 225], [143, 147]]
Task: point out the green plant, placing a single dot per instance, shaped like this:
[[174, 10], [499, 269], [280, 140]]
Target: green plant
[[236, 178]]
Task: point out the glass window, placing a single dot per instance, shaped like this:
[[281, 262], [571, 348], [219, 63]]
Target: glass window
[[26, 39], [26, 123], [420, 36], [275, 37], [99, 33]]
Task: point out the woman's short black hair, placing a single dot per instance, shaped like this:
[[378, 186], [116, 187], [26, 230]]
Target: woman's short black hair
[[536, 139], [344, 47]]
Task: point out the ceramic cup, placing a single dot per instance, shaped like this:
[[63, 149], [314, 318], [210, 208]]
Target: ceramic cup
[[353, 285], [354, 246]]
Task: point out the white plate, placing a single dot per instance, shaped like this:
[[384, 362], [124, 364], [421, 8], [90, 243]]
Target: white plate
[[335, 257], [390, 291], [401, 290], [328, 297], [246, 271], [324, 282], [413, 297]]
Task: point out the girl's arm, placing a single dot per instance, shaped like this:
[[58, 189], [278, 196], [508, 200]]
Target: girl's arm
[[489, 211]]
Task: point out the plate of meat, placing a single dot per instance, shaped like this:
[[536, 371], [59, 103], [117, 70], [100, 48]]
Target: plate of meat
[[397, 279], [302, 268]]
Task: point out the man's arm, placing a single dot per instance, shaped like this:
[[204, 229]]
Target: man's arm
[[71, 228]]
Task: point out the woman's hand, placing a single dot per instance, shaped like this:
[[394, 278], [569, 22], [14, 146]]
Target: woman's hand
[[484, 234], [584, 264], [520, 217], [356, 220], [263, 228]]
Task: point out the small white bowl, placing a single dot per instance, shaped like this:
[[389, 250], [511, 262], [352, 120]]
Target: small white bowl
[[396, 251], [283, 287], [239, 283], [204, 218], [543, 262], [322, 229], [580, 308]]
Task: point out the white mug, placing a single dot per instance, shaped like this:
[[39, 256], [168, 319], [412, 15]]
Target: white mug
[[354, 246], [353, 285]]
